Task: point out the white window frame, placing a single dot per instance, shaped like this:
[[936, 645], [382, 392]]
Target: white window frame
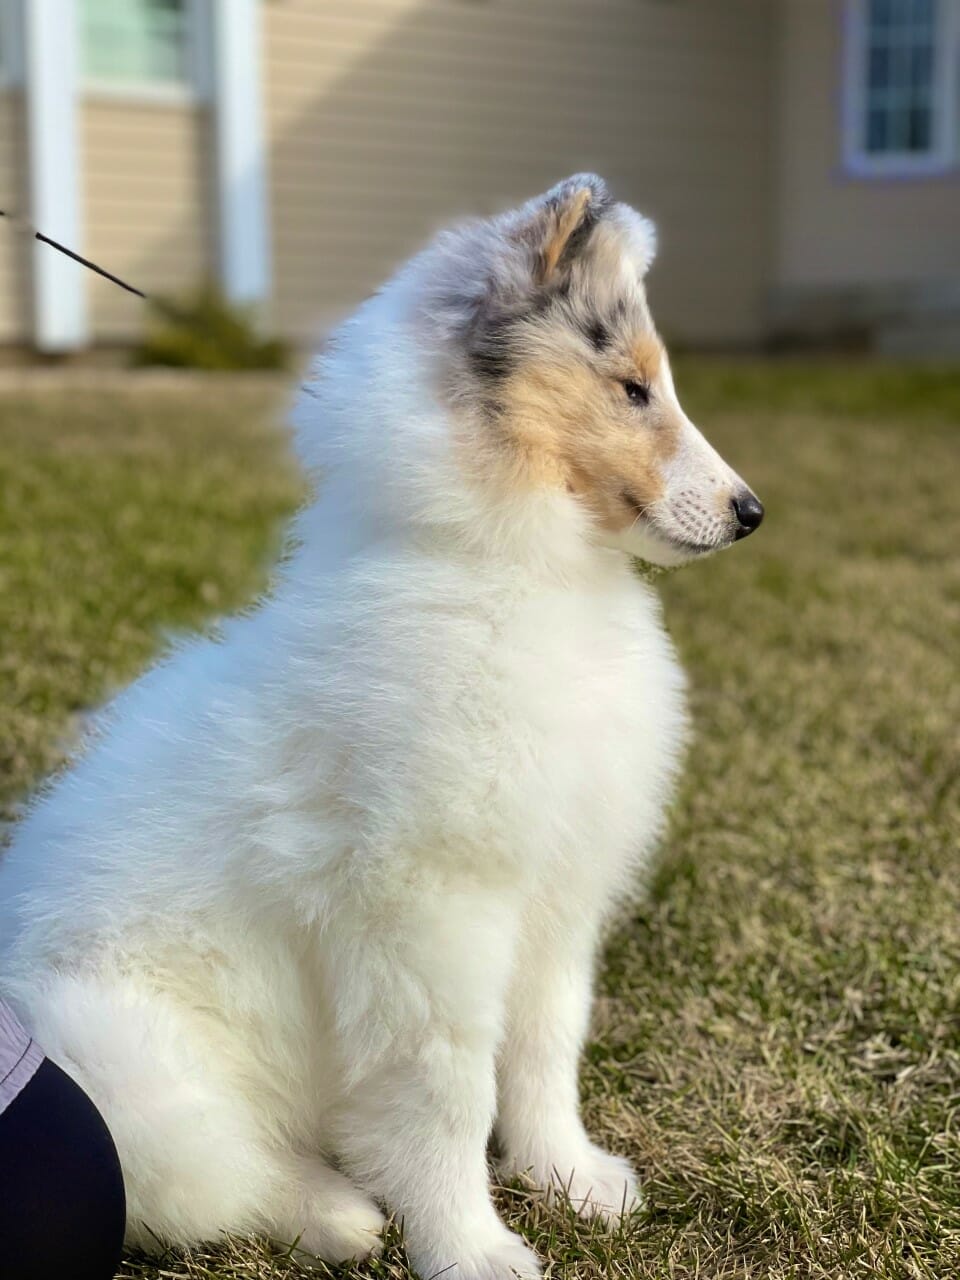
[[943, 156], [195, 87]]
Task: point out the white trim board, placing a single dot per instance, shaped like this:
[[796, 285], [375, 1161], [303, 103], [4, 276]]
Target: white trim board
[[50, 51], [243, 239]]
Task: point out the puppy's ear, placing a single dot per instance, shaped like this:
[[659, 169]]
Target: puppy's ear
[[558, 225], [528, 255]]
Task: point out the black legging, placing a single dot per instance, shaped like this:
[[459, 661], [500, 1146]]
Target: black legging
[[62, 1207]]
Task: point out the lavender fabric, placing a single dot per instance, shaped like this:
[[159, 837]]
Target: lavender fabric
[[20, 1055]]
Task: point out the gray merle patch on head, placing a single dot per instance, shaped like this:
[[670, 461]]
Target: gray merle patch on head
[[597, 334], [489, 346], [533, 272]]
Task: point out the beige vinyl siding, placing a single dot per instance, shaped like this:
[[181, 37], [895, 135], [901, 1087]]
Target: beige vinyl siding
[[837, 231], [146, 204], [15, 248], [388, 117]]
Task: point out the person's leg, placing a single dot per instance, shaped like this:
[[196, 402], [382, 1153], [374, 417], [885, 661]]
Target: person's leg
[[62, 1206], [200, 1156]]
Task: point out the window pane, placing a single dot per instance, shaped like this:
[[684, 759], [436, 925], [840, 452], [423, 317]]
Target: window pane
[[921, 71], [879, 72], [923, 13], [900, 67], [135, 40], [880, 12], [899, 73], [876, 131], [919, 138], [898, 130]]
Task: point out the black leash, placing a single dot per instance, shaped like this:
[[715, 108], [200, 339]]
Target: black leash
[[62, 248]]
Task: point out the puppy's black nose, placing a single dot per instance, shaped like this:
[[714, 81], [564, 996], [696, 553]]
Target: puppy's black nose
[[749, 512]]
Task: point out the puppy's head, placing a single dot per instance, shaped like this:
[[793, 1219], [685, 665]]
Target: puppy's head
[[555, 356]]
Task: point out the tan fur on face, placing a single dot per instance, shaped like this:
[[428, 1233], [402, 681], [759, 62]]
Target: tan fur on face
[[567, 424], [646, 353]]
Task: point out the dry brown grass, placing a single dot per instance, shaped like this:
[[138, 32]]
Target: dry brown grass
[[777, 1043]]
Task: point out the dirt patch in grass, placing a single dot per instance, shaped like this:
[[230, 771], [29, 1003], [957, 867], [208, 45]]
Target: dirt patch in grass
[[777, 1040]]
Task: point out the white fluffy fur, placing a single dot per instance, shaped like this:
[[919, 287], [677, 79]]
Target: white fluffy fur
[[319, 906]]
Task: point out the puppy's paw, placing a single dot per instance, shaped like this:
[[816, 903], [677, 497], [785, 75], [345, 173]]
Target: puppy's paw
[[348, 1236], [506, 1258], [594, 1182], [604, 1186], [337, 1221]]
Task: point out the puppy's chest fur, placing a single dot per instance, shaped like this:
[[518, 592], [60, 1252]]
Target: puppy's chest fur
[[535, 734]]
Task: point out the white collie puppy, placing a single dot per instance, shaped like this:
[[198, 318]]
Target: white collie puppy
[[317, 911]]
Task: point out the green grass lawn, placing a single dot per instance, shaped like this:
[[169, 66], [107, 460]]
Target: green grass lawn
[[777, 1038]]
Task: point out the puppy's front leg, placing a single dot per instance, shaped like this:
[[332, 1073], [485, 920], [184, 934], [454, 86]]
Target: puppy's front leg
[[421, 994], [539, 1129]]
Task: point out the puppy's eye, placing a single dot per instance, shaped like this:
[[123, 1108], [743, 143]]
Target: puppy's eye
[[637, 392]]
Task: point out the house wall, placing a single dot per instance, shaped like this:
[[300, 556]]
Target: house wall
[[837, 232], [15, 250], [147, 214], [388, 117]]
